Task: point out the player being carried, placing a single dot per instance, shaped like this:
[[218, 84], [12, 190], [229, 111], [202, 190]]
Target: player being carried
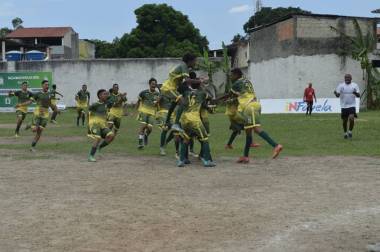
[[249, 110], [43, 100], [23, 100], [54, 100], [97, 124], [116, 102], [147, 107], [169, 88], [82, 99], [193, 126]]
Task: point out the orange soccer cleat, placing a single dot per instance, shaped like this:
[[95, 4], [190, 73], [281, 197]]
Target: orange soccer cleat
[[255, 145], [277, 150], [243, 160], [228, 147]]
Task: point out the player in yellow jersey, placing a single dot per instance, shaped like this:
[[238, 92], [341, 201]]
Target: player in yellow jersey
[[82, 99], [23, 98], [54, 101], [170, 87], [97, 124], [116, 102], [249, 110], [41, 112], [147, 107]]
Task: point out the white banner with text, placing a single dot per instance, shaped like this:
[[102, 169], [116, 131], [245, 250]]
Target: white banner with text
[[285, 106]]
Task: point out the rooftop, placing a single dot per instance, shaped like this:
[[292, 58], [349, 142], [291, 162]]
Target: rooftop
[[39, 32]]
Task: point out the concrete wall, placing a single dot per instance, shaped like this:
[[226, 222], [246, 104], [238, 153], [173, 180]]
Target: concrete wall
[[288, 77], [131, 74], [304, 35]]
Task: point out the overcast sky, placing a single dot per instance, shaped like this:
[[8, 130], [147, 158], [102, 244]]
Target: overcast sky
[[219, 20]]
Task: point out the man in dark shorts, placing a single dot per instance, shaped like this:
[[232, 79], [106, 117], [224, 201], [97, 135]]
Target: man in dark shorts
[[348, 92]]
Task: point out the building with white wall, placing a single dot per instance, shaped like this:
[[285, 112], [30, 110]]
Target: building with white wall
[[286, 55]]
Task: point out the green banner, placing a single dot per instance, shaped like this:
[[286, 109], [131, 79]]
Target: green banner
[[12, 82]]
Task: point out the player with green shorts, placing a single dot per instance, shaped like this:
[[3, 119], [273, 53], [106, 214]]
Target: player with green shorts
[[54, 102], [98, 129], [116, 102], [169, 88], [23, 98], [249, 111], [147, 107], [82, 99], [41, 112], [193, 126]]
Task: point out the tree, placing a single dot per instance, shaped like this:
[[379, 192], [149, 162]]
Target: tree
[[161, 32], [104, 49], [4, 32], [360, 47], [17, 23], [268, 15], [238, 37]]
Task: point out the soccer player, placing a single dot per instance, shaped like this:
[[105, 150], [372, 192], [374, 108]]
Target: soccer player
[[54, 100], [41, 112], [308, 96], [116, 101], [97, 124], [249, 110], [147, 107], [347, 92], [82, 99], [192, 125], [23, 98], [169, 88], [164, 104]]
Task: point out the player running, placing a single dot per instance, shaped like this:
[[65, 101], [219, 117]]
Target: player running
[[82, 99], [192, 126], [169, 88], [147, 107], [97, 124], [41, 112], [249, 110], [116, 102], [54, 101], [23, 100]]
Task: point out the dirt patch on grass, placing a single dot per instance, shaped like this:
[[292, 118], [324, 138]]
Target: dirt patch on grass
[[45, 139], [124, 203]]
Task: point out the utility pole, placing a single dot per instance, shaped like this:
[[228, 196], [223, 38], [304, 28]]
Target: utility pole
[[259, 5]]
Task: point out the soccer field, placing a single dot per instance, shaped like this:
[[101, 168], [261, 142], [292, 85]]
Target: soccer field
[[320, 195], [319, 135]]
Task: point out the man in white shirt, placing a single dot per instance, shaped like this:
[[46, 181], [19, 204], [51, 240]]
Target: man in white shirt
[[348, 92]]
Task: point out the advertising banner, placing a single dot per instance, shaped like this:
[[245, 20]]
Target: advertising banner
[[292, 106], [12, 82]]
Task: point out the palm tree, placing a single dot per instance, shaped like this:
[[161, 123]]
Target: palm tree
[[360, 47]]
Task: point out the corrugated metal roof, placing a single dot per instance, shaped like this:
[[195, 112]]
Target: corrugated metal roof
[[43, 32]]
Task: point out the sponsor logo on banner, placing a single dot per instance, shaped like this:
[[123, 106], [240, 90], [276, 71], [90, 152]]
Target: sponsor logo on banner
[[301, 106]]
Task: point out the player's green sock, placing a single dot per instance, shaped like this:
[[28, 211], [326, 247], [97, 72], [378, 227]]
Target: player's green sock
[[248, 142], [170, 111], [182, 151], [163, 138], [178, 114], [93, 151], [103, 144], [232, 137], [206, 151], [267, 138]]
